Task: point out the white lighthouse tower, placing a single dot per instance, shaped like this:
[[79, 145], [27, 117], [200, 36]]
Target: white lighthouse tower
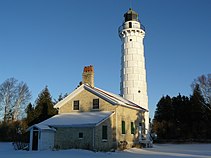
[[133, 84]]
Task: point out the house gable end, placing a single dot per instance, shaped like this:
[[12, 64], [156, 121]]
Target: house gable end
[[78, 91], [69, 97], [106, 96]]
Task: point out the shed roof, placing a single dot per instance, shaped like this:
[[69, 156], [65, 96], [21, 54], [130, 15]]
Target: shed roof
[[41, 127], [80, 119]]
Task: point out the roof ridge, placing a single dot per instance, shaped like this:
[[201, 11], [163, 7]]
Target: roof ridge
[[107, 93], [110, 94]]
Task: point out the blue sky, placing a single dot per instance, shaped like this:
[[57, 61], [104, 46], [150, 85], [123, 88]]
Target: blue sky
[[48, 42]]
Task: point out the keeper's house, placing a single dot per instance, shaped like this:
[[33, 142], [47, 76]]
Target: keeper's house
[[90, 118]]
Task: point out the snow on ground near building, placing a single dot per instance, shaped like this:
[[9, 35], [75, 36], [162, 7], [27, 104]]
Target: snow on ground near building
[[158, 151]]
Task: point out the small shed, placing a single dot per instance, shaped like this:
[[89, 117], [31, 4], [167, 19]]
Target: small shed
[[41, 137], [70, 130]]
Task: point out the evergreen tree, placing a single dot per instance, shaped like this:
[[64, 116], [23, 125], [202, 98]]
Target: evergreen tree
[[198, 118], [61, 97], [44, 106], [180, 109], [184, 117], [29, 114], [162, 123], [171, 117]]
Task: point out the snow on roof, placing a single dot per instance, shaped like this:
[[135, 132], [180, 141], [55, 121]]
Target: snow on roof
[[41, 127], [119, 100], [108, 96], [80, 119]]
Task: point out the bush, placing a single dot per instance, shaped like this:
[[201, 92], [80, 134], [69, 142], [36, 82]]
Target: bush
[[122, 145], [13, 132]]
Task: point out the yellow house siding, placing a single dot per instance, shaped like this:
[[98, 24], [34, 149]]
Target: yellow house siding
[[128, 115], [86, 103], [110, 143], [113, 123]]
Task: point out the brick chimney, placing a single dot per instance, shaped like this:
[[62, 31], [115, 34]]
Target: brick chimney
[[88, 75]]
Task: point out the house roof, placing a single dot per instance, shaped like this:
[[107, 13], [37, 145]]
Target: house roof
[[80, 119], [108, 96]]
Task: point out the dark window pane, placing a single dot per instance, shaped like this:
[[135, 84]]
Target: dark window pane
[[130, 24], [76, 105], [80, 135], [104, 132], [95, 103]]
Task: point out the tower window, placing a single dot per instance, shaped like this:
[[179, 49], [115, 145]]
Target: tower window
[[130, 24], [76, 105], [130, 39], [139, 91]]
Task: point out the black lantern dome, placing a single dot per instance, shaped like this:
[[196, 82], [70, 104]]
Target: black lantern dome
[[131, 15]]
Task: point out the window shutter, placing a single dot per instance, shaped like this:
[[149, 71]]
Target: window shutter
[[132, 128], [123, 127]]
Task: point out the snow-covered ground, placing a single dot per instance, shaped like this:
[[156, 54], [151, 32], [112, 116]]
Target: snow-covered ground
[[158, 151]]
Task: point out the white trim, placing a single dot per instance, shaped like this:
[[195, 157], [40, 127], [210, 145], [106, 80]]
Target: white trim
[[104, 140], [70, 96], [117, 100], [94, 91], [31, 138], [117, 135]]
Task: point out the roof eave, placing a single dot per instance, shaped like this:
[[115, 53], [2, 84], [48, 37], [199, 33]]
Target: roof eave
[[67, 98], [93, 91]]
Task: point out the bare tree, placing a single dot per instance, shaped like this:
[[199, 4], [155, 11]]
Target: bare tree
[[22, 99], [7, 95], [14, 97], [204, 84]]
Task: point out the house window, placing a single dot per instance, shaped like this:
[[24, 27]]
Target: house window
[[104, 133], [80, 135], [95, 103], [132, 128], [76, 105], [123, 127]]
